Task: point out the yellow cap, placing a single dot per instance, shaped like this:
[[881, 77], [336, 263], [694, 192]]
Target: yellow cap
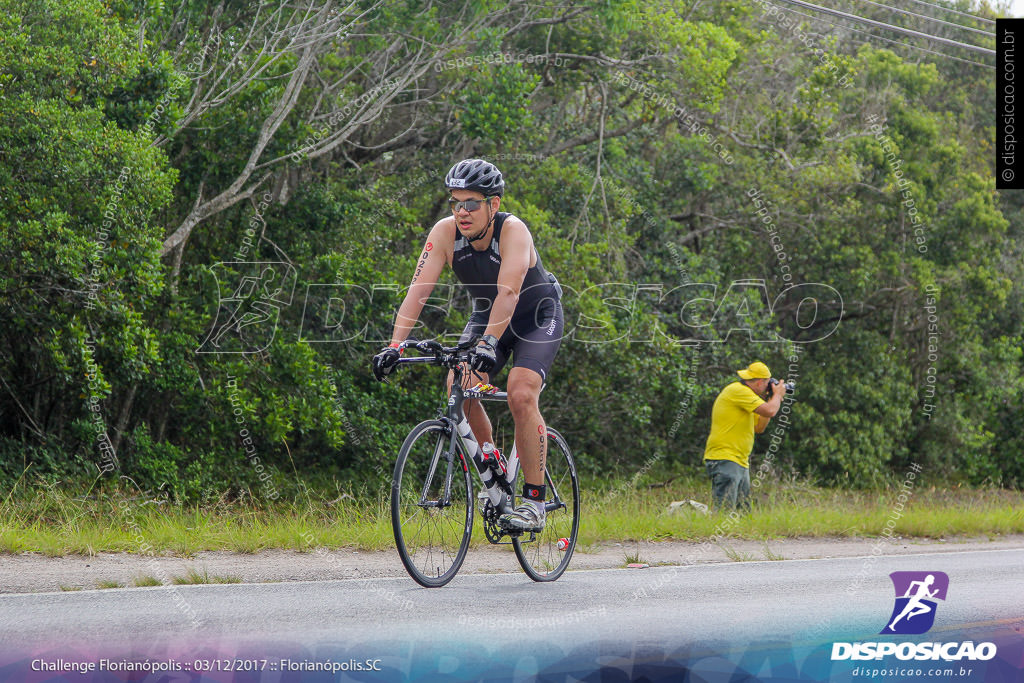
[[755, 370]]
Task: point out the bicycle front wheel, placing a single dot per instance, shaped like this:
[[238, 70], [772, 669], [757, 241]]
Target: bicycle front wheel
[[431, 506], [542, 559]]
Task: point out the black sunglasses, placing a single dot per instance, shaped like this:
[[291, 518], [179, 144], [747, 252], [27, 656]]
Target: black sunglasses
[[468, 205]]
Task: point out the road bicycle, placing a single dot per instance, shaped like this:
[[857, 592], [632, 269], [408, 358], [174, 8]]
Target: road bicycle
[[432, 496]]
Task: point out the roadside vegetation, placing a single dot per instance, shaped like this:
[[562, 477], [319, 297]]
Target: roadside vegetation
[[709, 189], [59, 520]]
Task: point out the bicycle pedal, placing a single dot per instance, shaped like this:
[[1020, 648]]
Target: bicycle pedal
[[519, 535]]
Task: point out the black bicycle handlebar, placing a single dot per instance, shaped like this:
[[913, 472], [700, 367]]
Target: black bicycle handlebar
[[447, 356]]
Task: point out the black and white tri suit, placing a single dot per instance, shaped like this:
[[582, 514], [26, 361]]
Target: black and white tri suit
[[534, 334]]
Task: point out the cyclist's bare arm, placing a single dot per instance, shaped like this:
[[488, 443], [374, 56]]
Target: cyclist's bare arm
[[437, 251], [516, 249]]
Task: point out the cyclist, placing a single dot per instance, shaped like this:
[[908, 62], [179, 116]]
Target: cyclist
[[516, 308]]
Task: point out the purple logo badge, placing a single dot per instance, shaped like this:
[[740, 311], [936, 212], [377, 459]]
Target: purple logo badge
[[916, 595]]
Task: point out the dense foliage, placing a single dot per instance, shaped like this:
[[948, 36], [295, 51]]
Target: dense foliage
[[713, 183]]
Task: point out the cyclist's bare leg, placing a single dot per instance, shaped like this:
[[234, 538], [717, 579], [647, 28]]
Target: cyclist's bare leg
[[475, 413], [524, 387]]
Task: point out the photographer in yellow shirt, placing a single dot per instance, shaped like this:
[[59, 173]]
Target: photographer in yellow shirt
[[738, 412]]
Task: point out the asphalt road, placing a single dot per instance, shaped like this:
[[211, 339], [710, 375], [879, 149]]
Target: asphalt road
[[635, 613]]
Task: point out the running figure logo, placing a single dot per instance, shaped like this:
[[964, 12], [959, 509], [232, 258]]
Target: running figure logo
[[251, 296], [916, 593]]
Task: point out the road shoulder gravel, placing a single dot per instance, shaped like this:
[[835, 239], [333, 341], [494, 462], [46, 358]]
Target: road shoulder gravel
[[36, 573]]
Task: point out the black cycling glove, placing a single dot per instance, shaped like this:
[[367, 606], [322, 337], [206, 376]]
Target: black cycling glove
[[482, 358], [384, 362]]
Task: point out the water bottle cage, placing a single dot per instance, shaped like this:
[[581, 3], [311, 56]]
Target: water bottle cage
[[499, 469], [497, 465]]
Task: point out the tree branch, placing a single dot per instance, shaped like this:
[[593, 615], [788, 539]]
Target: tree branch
[[591, 137]]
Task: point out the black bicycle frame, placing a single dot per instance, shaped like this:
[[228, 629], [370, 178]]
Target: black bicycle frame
[[456, 422]]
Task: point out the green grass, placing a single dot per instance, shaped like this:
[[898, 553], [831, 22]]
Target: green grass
[[193, 578], [146, 581], [735, 555], [59, 520], [109, 584], [633, 558]]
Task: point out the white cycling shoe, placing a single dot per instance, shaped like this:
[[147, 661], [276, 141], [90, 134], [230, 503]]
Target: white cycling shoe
[[524, 518]]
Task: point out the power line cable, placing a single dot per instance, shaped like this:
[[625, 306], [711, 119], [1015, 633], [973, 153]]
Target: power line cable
[[927, 18], [950, 9], [890, 27], [888, 40]]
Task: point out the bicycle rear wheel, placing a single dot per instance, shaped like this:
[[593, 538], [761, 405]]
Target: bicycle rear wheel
[[431, 505], [541, 558]]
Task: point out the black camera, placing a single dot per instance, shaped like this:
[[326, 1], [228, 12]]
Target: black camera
[[790, 387]]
